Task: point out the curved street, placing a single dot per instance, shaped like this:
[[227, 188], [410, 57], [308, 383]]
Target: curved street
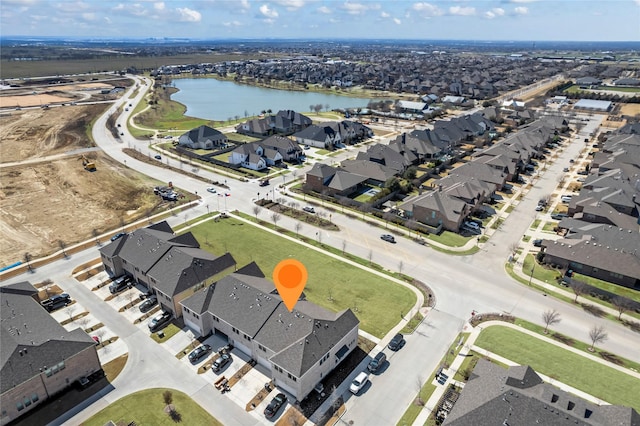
[[461, 284]]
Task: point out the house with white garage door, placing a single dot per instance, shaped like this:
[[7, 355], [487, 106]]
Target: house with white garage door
[[299, 347]]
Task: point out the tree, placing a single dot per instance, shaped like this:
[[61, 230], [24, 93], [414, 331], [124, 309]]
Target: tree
[[297, 227], [513, 248], [550, 317], [69, 310], [388, 216], [95, 235], [410, 173], [365, 208], [62, 246], [100, 334], [256, 210], [275, 217], [392, 184], [370, 256], [344, 246], [167, 397], [597, 334], [578, 289], [400, 267], [27, 259], [412, 225], [622, 305]]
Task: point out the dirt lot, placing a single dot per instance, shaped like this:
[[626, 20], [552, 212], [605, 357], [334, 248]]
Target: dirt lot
[[630, 109], [55, 199]]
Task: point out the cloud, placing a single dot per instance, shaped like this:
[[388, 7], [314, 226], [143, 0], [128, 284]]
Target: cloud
[[522, 1], [462, 11], [495, 12], [267, 12], [158, 6], [232, 24], [637, 2], [354, 8], [324, 9], [426, 10], [89, 16], [384, 15], [188, 15], [521, 10], [290, 4], [397, 21]]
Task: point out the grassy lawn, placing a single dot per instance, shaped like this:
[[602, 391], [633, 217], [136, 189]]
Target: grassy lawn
[[323, 152], [147, 408], [610, 287], [601, 381], [376, 301], [450, 239], [620, 89], [169, 331], [549, 226], [414, 409], [540, 272]]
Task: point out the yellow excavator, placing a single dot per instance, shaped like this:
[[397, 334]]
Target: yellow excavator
[[88, 164]]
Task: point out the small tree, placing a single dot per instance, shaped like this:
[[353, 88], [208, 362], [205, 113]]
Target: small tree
[[27, 259], [95, 236], [550, 317], [622, 305], [412, 225], [388, 216], [69, 310], [400, 267], [100, 334], [597, 334], [578, 289], [297, 227], [167, 397], [256, 210], [344, 246], [370, 256], [275, 217], [513, 248]]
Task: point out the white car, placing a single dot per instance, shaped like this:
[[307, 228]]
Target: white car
[[358, 383], [211, 189], [472, 225]]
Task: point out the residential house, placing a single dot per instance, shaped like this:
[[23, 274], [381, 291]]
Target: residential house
[[377, 174], [414, 149], [605, 252], [437, 209], [39, 358], [410, 107], [389, 157], [203, 137], [255, 156], [171, 266], [484, 172], [289, 150], [324, 137], [517, 395], [298, 348], [284, 122]]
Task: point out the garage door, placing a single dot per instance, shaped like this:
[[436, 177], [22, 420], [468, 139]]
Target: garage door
[[193, 326]]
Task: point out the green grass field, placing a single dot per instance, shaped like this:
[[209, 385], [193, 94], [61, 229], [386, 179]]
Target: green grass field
[[376, 301], [147, 408], [599, 380]]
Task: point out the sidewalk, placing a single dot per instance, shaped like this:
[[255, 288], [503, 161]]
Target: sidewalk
[[469, 346]]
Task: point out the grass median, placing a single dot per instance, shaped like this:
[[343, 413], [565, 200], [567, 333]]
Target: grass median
[[599, 380], [378, 302]]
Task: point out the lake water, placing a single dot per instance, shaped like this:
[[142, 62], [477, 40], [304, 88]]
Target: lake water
[[213, 99]]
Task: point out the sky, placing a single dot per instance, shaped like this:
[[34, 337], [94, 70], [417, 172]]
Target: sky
[[579, 20]]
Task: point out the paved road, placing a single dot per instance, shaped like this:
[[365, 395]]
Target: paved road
[[461, 284]]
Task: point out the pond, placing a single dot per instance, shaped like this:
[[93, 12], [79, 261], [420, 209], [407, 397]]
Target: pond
[[213, 99]]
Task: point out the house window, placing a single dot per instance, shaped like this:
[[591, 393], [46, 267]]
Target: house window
[[34, 397], [197, 316], [54, 369], [216, 319], [27, 401], [19, 406], [292, 377], [246, 337], [48, 372], [60, 366], [235, 330], [262, 348], [124, 262], [186, 309]]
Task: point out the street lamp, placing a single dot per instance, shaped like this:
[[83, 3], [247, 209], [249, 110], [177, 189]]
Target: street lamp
[[533, 267]]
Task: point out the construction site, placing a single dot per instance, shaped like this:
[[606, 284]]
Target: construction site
[[57, 188]]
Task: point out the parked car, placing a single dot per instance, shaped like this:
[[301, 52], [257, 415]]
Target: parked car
[[159, 321], [559, 216], [566, 169], [274, 406], [566, 198], [225, 349], [583, 173], [198, 353], [308, 209], [537, 243], [377, 362], [148, 304], [358, 383], [56, 302], [472, 225], [388, 238], [119, 284], [157, 157], [211, 189], [397, 342], [118, 235], [581, 179], [264, 182], [220, 362], [539, 207]]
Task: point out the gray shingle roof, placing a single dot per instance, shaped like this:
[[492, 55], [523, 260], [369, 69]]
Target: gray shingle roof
[[30, 338], [517, 396]]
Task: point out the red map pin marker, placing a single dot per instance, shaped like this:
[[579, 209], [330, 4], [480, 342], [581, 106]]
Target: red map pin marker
[[290, 277]]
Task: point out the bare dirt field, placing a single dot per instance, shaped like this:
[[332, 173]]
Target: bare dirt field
[[55, 199], [630, 109]]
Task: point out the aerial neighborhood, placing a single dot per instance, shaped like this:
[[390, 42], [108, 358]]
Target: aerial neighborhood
[[463, 249]]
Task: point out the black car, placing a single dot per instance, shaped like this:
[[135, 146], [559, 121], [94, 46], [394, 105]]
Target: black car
[[537, 243], [118, 235], [559, 216], [220, 362], [159, 321], [157, 157], [56, 302], [377, 362], [397, 342], [198, 353], [148, 304], [119, 284], [388, 238], [274, 406]]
